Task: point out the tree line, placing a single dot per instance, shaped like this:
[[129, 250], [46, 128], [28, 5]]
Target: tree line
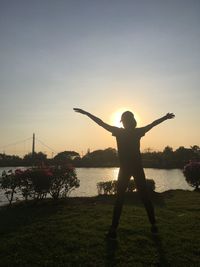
[[168, 158]]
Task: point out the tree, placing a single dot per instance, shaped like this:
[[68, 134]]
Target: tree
[[38, 158], [10, 160], [183, 155], [168, 157], [195, 148], [196, 152], [98, 158], [168, 150], [65, 157]]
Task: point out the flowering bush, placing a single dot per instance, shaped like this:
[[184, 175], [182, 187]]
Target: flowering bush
[[63, 181], [36, 183], [10, 182], [192, 174]]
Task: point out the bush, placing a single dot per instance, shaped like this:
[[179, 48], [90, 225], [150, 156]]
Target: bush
[[110, 187], [192, 174], [107, 188], [10, 182], [36, 183], [63, 181]]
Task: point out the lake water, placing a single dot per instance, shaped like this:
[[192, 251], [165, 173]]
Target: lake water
[[89, 177]]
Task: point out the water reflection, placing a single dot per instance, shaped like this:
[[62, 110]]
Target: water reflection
[[164, 179]]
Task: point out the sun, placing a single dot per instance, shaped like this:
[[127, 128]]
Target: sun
[[116, 116]]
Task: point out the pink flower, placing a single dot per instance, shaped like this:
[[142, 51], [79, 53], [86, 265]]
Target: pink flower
[[18, 171]]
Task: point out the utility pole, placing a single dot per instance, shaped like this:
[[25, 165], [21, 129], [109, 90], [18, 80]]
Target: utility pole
[[33, 150]]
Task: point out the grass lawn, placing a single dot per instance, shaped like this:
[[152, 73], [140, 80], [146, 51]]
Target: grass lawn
[[71, 232]]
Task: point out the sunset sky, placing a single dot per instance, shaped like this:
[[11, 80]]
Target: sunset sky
[[104, 56]]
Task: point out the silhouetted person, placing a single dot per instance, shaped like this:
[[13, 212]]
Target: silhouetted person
[[128, 143]]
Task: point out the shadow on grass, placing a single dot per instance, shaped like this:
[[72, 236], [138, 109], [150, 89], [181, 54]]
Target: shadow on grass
[[132, 199], [25, 213], [111, 247], [162, 260]]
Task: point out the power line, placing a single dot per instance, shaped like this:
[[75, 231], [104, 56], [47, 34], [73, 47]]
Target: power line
[[23, 141], [13, 144], [42, 143]]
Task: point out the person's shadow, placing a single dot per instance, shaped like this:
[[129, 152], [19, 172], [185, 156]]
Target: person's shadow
[[111, 248], [162, 261]]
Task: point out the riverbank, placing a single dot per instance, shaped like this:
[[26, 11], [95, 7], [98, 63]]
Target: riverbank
[[71, 232]]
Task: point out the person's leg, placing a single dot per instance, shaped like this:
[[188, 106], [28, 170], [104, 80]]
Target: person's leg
[[140, 182], [123, 180]]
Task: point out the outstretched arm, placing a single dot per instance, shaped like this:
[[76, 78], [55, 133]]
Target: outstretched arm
[[156, 122], [95, 119]]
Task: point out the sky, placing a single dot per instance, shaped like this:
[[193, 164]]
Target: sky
[[104, 56]]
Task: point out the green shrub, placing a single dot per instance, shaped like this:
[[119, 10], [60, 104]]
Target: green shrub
[[110, 187], [107, 188]]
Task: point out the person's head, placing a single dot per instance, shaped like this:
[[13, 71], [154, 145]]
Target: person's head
[[128, 120]]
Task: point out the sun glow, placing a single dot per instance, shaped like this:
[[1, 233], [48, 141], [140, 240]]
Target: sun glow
[[116, 117]]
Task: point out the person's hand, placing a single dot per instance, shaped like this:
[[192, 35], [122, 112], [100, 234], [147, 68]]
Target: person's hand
[[80, 111], [169, 115]]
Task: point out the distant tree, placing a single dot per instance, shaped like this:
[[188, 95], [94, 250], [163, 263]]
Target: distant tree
[[168, 150], [168, 157], [99, 158], [10, 160], [151, 159], [192, 174], [148, 150], [77, 161], [37, 159], [65, 157], [196, 152], [183, 155], [195, 148]]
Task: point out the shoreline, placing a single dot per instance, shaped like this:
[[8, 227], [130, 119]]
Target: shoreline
[[98, 198]]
